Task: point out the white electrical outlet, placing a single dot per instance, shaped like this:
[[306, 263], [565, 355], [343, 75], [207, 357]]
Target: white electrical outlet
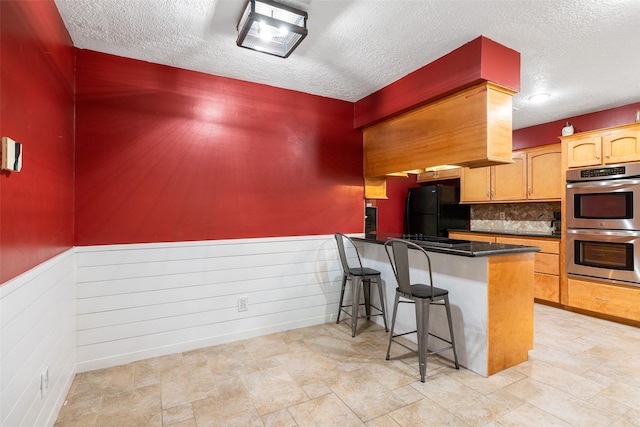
[[502, 215], [243, 303], [44, 382]]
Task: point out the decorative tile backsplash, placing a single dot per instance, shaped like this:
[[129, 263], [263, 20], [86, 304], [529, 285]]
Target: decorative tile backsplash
[[518, 217]]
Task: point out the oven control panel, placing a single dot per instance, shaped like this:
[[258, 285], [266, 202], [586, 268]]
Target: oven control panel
[[592, 173], [609, 172]]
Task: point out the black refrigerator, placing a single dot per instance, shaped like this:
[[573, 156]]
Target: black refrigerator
[[434, 209]]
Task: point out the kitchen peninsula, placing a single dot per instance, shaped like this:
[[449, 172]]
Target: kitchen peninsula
[[491, 294]]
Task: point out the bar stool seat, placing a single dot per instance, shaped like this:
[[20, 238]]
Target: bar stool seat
[[357, 274], [422, 296]]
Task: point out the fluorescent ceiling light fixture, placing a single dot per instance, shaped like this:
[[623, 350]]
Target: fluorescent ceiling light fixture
[[272, 28], [539, 97]]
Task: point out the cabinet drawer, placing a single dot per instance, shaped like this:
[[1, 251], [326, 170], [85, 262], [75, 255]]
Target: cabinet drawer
[[547, 246], [546, 263], [472, 236], [603, 298], [546, 287]]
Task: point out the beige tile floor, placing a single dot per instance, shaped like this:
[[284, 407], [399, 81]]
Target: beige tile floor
[[582, 372]]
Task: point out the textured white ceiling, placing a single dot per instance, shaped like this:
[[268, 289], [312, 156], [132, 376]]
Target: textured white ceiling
[[584, 53]]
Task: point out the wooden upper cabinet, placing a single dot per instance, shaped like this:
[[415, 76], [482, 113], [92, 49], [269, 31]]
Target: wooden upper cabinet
[[535, 174], [475, 185], [585, 151], [509, 182], [603, 147], [544, 173], [375, 188], [495, 183], [621, 146], [439, 174]]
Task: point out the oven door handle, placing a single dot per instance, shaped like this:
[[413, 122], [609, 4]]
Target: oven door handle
[[610, 233], [617, 183]]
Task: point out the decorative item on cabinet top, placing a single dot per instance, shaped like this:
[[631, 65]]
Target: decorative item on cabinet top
[[567, 130]]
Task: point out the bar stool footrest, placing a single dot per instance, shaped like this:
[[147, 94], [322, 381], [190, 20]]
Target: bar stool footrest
[[415, 350], [348, 312]]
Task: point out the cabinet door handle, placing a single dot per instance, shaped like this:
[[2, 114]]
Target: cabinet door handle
[[598, 157], [602, 299], [607, 156]]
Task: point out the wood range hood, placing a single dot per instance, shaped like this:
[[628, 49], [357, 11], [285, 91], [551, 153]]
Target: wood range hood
[[466, 122]]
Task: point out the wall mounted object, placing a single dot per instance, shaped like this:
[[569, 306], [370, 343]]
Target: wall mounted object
[[11, 155]]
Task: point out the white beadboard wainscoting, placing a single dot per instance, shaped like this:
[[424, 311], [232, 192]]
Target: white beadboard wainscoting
[[138, 301], [37, 331], [95, 307]]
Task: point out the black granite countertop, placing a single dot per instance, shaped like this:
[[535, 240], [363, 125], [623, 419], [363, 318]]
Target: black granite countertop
[[454, 247], [511, 233]]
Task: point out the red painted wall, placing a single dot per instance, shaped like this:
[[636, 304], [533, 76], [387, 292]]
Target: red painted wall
[[391, 210], [479, 60], [36, 109], [165, 154], [548, 133]]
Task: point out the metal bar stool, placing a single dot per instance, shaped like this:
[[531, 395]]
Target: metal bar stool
[[357, 274], [423, 297]]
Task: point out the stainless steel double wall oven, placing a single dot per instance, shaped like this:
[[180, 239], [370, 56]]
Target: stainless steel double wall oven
[[603, 223]]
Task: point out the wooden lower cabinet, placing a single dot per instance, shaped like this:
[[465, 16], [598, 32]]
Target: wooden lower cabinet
[[546, 274], [550, 245], [609, 300], [546, 265], [612, 300], [546, 287]]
